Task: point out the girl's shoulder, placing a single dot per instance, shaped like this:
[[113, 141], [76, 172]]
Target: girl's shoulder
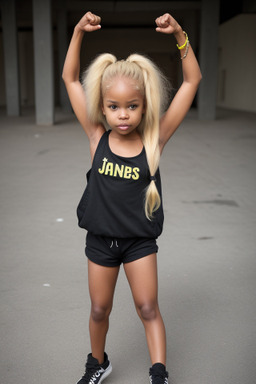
[[96, 138]]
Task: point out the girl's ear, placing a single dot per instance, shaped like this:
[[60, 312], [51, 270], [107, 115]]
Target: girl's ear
[[103, 109]]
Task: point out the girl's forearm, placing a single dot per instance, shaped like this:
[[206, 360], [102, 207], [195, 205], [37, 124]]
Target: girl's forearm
[[71, 69], [190, 67]]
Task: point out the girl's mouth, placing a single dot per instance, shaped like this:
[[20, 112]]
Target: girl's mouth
[[123, 127]]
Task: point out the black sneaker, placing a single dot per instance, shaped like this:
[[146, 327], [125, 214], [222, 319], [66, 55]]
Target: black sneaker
[[158, 374], [95, 373]]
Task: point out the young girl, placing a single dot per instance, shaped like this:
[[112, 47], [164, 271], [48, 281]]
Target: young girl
[[120, 108]]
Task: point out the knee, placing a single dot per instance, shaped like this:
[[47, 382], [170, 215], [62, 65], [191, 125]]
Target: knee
[[99, 313], [148, 311]]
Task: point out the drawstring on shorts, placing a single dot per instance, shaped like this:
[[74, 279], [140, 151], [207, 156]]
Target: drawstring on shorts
[[112, 243]]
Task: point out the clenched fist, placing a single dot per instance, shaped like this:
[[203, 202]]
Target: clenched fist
[[89, 22], [167, 24]]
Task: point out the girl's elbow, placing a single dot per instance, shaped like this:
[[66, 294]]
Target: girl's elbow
[[64, 77], [197, 80], [199, 77]]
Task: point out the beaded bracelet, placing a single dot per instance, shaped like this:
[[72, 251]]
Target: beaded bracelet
[[186, 52], [183, 46]]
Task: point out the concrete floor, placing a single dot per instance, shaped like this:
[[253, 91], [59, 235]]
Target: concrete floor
[[207, 258]]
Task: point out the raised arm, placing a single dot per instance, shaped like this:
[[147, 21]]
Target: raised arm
[[71, 72], [183, 99]]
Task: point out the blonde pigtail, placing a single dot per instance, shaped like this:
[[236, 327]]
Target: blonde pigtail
[[154, 96], [91, 81]]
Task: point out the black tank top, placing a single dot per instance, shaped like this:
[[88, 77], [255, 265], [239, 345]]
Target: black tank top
[[113, 201]]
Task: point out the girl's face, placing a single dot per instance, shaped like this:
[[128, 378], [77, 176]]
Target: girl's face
[[123, 105]]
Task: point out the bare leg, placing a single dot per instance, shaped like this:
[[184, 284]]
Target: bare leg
[[142, 277], [102, 282]]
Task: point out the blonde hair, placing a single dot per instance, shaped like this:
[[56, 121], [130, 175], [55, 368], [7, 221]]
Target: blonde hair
[[153, 86]]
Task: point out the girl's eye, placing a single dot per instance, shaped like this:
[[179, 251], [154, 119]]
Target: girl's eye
[[133, 106], [113, 107]]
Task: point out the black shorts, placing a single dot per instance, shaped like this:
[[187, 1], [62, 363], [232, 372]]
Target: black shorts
[[112, 252]]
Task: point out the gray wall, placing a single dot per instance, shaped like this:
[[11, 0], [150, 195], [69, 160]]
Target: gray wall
[[237, 64]]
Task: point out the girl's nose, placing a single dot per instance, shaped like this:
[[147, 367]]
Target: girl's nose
[[123, 114]]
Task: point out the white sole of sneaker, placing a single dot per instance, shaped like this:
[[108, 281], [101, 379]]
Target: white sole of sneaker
[[106, 373]]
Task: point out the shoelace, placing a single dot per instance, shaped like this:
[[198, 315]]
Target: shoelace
[[91, 372], [158, 378], [95, 377]]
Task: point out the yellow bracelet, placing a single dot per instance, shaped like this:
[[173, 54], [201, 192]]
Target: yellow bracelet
[[186, 51], [183, 46]]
